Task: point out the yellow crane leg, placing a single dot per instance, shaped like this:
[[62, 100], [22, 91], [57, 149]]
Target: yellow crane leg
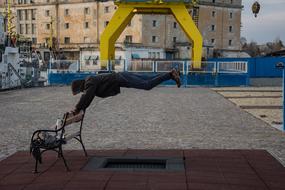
[[187, 24], [112, 32]]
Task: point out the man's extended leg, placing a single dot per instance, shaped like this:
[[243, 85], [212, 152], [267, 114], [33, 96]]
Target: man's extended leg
[[132, 80]]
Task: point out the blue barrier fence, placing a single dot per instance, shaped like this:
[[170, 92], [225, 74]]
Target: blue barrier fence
[[213, 73]]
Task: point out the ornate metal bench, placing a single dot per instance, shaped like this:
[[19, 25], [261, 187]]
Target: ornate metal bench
[[44, 140]]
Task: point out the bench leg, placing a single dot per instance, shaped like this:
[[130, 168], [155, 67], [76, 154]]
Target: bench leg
[[81, 142], [61, 155], [83, 147], [36, 167]]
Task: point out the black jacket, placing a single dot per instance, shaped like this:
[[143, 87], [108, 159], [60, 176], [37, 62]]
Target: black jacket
[[103, 85]]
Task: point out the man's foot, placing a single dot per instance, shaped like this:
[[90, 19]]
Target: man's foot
[[175, 75]]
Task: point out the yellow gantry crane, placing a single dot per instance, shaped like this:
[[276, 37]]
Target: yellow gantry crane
[[128, 8]]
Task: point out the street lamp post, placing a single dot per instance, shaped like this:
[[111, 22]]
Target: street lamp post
[[280, 65]]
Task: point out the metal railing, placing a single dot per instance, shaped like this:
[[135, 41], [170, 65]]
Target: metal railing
[[59, 66], [94, 65], [117, 65], [232, 67], [185, 67], [166, 66], [140, 66], [206, 67]]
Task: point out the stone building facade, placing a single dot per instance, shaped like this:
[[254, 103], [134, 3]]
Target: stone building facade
[[77, 25]]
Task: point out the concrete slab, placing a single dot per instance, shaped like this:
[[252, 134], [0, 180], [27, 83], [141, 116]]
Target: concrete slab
[[163, 118]]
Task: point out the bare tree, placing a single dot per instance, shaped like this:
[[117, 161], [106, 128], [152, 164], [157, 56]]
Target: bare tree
[[254, 50]]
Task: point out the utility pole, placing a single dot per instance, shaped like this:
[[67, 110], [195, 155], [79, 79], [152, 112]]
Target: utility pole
[[51, 33]]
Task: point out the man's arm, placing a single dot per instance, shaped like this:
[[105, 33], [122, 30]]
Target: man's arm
[[87, 97]]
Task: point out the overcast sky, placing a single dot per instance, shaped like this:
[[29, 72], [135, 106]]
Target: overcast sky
[[269, 24]]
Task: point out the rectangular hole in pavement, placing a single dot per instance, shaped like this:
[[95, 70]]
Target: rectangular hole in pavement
[[134, 164]]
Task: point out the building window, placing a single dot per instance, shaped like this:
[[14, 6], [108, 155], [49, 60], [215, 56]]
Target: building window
[[230, 29], [20, 15], [154, 23], [26, 14], [154, 39], [86, 24], [86, 10], [213, 40], [231, 1], [21, 28], [175, 25], [66, 25], [106, 23], [231, 15], [129, 39], [47, 1], [213, 13], [106, 10], [230, 42], [33, 14], [213, 1], [213, 27], [174, 39], [27, 29], [87, 61], [33, 28], [158, 55], [66, 12], [66, 40], [47, 12], [47, 26]]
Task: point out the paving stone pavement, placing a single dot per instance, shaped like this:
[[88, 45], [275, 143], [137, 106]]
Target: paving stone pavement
[[163, 118]]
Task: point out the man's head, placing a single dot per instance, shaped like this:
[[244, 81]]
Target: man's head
[[77, 86]]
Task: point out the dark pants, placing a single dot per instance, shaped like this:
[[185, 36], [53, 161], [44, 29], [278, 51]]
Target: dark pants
[[141, 81]]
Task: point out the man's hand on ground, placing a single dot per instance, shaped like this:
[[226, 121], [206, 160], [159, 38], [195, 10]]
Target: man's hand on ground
[[74, 112]]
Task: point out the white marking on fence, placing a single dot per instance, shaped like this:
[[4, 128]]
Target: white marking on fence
[[232, 67]]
